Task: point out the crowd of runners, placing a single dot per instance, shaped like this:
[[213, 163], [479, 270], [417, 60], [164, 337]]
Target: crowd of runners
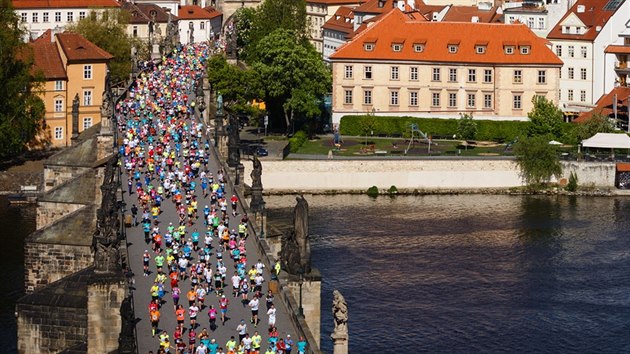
[[197, 258]]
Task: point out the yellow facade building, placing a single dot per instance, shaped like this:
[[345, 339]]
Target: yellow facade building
[[73, 67]]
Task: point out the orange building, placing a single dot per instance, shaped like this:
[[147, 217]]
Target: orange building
[[72, 67]]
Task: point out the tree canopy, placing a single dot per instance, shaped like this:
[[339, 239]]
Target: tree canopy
[[545, 119], [538, 160], [109, 32], [22, 111], [466, 127], [237, 85], [598, 123]]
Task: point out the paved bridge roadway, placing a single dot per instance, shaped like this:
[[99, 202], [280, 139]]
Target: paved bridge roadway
[[237, 310]]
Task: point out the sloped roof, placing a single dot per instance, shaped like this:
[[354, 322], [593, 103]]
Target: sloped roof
[[466, 14], [161, 15], [77, 48], [341, 21], [617, 49], [372, 6], [335, 2], [136, 16], [596, 13], [194, 12], [46, 57], [395, 26], [63, 4], [605, 105]]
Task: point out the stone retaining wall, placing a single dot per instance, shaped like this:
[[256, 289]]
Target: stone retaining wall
[[45, 263], [47, 329]]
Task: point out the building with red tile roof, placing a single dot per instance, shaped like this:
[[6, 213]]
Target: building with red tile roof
[[606, 106], [40, 15], [405, 66], [337, 29], [204, 23], [319, 12], [578, 39], [72, 66]]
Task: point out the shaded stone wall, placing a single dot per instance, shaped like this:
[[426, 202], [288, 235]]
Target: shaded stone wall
[[311, 303], [105, 296], [55, 175], [48, 329], [45, 263], [49, 212], [104, 145]]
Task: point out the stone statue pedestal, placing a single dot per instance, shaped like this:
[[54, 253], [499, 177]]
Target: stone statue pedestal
[[311, 299], [155, 52], [340, 343]]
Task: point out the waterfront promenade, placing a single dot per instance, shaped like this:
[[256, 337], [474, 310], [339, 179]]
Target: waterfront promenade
[[238, 309]]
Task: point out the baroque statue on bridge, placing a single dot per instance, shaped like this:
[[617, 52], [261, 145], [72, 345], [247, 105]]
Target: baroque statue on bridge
[[296, 245], [340, 313]]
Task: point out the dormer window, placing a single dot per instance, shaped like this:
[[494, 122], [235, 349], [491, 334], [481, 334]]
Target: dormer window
[[480, 49], [509, 49], [525, 50], [452, 48], [368, 47], [397, 47]]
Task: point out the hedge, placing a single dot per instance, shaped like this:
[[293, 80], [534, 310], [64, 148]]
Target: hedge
[[395, 126]]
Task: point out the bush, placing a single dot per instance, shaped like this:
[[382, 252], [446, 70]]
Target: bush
[[372, 192], [573, 182], [389, 126], [297, 140], [392, 190]]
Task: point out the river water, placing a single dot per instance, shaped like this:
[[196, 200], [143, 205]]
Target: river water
[[473, 273]]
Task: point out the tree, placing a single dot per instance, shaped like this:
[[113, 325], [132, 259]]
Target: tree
[[598, 123], [545, 119], [367, 124], [238, 85], [466, 127], [109, 32], [293, 76], [537, 160], [21, 111]]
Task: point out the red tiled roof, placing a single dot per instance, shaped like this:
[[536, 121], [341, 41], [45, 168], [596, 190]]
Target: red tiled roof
[[213, 11], [46, 57], [335, 2], [65, 4], [341, 21], [617, 49], [605, 107], [466, 13], [77, 48], [136, 16], [372, 6], [161, 15], [594, 15], [438, 34], [194, 12]]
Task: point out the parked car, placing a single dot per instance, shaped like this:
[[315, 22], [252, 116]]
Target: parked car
[[261, 151]]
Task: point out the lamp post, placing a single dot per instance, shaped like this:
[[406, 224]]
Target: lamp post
[[262, 220], [300, 283]]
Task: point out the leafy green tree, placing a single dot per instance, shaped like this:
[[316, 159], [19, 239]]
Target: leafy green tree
[[109, 32], [367, 123], [466, 127], [537, 160], [598, 123], [21, 111], [545, 119], [238, 85], [292, 75]]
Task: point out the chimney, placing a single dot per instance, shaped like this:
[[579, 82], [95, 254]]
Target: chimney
[[411, 4], [581, 9], [475, 19]]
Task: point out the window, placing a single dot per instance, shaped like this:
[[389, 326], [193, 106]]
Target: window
[[542, 76], [472, 75], [393, 73], [347, 97], [35, 17], [452, 48], [558, 50], [418, 48], [87, 72], [202, 25], [583, 95], [480, 49], [435, 99], [571, 51], [58, 105], [524, 50], [436, 74], [24, 17], [516, 101], [367, 96], [470, 101], [530, 22], [397, 47], [348, 71], [541, 23], [413, 98], [509, 49], [367, 72], [58, 85], [487, 100], [571, 73], [583, 51], [45, 17], [57, 16], [452, 99], [413, 73], [452, 74], [570, 95], [81, 15], [70, 16], [487, 76], [135, 31], [583, 73], [87, 122], [368, 47], [87, 98], [518, 77], [393, 98], [58, 133]]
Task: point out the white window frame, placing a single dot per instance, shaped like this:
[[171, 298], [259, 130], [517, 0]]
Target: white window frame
[[471, 99], [58, 133], [70, 16], [517, 101], [584, 51], [394, 98], [58, 16], [347, 96], [87, 72], [582, 95], [367, 72], [58, 105], [418, 48], [397, 47], [35, 17], [59, 85], [87, 97], [45, 17], [570, 73], [559, 50], [81, 15], [517, 77], [472, 75], [436, 99], [452, 74], [487, 76], [525, 50], [436, 74], [571, 51], [452, 100], [413, 73], [570, 95], [24, 17], [394, 73], [413, 98], [542, 77], [487, 101], [367, 96], [583, 73], [348, 72], [87, 122]]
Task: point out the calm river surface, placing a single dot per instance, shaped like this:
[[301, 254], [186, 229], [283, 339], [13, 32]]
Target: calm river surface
[[462, 274]]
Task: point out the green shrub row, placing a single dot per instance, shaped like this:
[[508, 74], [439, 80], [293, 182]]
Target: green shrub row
[[503, 131], [297, 140]]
